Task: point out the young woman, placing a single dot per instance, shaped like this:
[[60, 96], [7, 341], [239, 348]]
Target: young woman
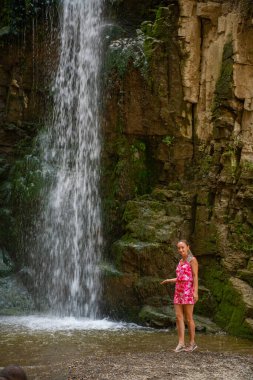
[[186, 295]]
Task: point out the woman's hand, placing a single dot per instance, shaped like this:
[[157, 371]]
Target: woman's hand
[[165, 282], [168, 281], [195, 296]]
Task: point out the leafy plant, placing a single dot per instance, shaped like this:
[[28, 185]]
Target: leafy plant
[[125, 50], [168, 140]]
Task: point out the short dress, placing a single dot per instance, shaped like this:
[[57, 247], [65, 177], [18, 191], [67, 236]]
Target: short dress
[[184, 285]]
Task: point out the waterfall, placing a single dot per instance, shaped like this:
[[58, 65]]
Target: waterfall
[[70, 242]]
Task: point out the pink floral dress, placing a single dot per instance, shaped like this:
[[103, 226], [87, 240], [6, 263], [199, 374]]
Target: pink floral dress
[[184, 285]]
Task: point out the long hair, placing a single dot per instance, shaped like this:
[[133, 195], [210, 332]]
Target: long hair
[[190, 255]]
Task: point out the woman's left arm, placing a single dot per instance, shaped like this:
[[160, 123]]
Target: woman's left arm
[[195, 267]]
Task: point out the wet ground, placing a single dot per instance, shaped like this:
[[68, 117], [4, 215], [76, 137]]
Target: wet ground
[[198, 365], [60, 349]]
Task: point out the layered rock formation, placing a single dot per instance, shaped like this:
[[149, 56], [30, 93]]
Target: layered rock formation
[[189, 103]]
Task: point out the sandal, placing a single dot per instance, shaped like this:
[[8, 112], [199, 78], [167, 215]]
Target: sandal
[[180, 347], [191, 347]]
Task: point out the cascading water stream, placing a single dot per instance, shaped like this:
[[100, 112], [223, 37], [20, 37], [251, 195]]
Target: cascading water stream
[[66, 267]]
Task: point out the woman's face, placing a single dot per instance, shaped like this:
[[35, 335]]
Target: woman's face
[[182, 249]]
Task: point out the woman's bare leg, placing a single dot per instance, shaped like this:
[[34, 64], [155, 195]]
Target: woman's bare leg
[[188, 310], [180, 323]]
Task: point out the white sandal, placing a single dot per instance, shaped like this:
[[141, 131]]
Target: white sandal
[[191, 347], [180, 347]]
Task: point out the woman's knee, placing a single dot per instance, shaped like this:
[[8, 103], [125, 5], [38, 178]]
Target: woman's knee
[[189, 319], [188, 314], [179, 317]]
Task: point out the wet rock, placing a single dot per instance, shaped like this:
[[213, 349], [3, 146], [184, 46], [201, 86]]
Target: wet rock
[[14, 297], [157, 317], [246, 291], [204, 324], [6, 265], [161, 317]]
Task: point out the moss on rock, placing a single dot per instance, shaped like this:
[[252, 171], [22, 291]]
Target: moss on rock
[[224, 85], [14, 298], [231, 308]]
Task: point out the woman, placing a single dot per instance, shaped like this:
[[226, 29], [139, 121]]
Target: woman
[[186, 294]]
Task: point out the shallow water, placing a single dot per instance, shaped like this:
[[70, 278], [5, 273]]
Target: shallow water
[[45, 345]]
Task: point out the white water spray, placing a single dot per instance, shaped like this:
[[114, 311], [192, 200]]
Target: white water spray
[[67, 272]]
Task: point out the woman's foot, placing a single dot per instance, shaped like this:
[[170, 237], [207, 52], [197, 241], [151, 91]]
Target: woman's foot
[[191, 347], [180, 347]]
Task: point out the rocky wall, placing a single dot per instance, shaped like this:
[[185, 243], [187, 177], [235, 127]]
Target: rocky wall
[[182, 87], [28, 55]]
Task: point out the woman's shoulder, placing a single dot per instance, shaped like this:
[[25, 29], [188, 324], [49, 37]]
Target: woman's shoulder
[[191, 259]]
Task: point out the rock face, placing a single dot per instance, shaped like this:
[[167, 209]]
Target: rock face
[[177, 158], [186, 98], [27, 43]]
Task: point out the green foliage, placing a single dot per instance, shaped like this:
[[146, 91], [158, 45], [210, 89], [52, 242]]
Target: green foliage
[[123, 51], [158, 32], [242, 236], [168, 140], [14, 14], [139, 50], [27, 180]]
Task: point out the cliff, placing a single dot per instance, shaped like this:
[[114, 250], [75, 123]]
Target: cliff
[[178, 128], [177, 157]]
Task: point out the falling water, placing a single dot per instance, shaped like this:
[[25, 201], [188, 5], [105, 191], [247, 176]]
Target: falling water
[[70, 245]]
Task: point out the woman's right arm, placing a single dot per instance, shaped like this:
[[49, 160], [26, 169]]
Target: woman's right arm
[[169, 280]]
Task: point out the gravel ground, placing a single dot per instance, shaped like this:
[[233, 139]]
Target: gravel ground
[[164, 365]]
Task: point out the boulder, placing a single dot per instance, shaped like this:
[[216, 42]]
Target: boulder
[[246, 293], [246, 275], [235, 307]]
